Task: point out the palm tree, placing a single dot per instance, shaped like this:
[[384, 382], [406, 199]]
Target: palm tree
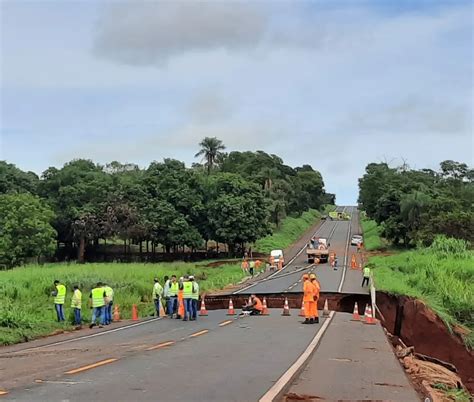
[[211, 149]]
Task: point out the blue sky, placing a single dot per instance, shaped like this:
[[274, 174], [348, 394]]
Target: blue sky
[[333, 84]]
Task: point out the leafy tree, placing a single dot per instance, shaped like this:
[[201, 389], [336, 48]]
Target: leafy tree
[[237, 210], [211, 151], [14, 180], [416, 205], [25, 229]]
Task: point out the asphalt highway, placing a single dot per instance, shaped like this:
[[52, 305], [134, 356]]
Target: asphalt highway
[[344, 279], [216, 358]]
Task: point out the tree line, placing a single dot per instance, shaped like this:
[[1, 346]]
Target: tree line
[[413, 206], [233, 198]]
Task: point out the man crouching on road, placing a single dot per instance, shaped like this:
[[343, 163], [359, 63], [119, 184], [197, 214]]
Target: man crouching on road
[[254, 307]]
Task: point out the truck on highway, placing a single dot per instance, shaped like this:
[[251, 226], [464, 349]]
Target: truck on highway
[[318, 248], [340, 216]]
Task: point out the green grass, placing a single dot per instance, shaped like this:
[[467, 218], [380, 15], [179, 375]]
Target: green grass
[[290, 230], [26, 307], [371, 231], [444, 281]]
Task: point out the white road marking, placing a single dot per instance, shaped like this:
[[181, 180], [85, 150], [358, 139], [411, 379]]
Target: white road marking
[[290, 374], [346, 253], [85, 336]]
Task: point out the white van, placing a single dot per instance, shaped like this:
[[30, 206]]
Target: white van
[[277, 254]]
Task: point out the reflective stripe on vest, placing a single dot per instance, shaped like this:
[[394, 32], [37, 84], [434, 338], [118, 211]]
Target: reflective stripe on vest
[[366, 272], [195, 291], [76, 301], [187, 290], [98, 297], [174, 287], [60, 297]]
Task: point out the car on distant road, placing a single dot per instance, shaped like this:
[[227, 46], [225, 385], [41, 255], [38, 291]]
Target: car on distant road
[[356, 239]]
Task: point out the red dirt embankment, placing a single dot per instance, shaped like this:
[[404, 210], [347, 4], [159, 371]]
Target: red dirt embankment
[[419, 326]]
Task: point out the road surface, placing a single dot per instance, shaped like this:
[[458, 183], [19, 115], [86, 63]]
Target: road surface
[[216, 358], [344, 279]]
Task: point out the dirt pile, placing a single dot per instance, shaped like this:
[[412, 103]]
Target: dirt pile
[[432, 379]]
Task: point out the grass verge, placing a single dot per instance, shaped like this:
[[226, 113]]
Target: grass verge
[[371, 231], [444, 281], [290, 230], [26, 307]]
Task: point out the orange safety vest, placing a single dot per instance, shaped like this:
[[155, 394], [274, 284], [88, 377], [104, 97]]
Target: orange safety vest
[[258, 304], [308, 290], [316, 287], [257, 264]]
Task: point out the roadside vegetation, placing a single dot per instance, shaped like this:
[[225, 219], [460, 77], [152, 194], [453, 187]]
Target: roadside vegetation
[[372, 234], [290, 230], [26, 307], [429, 214], [231, 198], [441, 275]]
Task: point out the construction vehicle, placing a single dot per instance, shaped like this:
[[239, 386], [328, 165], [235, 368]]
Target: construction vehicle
[[339, 216], [318, 250]]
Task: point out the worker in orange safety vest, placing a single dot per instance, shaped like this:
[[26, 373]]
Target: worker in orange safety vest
[[316, 290], [308, 299]]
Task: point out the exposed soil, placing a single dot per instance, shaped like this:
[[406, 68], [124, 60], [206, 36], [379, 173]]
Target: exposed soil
[[419, 326]]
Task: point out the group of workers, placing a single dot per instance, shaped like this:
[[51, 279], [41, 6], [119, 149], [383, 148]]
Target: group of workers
[[101, 301], [179, 299], [251, 266], [311, 289]]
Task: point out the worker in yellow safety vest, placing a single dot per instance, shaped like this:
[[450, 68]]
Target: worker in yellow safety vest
[[187, 298], [156, 295], [194, 297], [366, 276], [97, 300], [109, 302], [173, 296], [59, 299], [76, 305]]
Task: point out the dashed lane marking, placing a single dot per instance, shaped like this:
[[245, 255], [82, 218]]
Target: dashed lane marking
[[161, 345], [3, 392], [204, 331], [223, 324], [91, 366]]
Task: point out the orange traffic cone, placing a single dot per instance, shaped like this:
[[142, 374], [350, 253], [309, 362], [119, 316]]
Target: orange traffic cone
[[286, 308], [326, 309], [369, 319], [116, 313], [265, 310], [231, 310], [353, 262], [365, 312], [134, 313], [355, 313], [203, 310], [181, 312], [301, 314]]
